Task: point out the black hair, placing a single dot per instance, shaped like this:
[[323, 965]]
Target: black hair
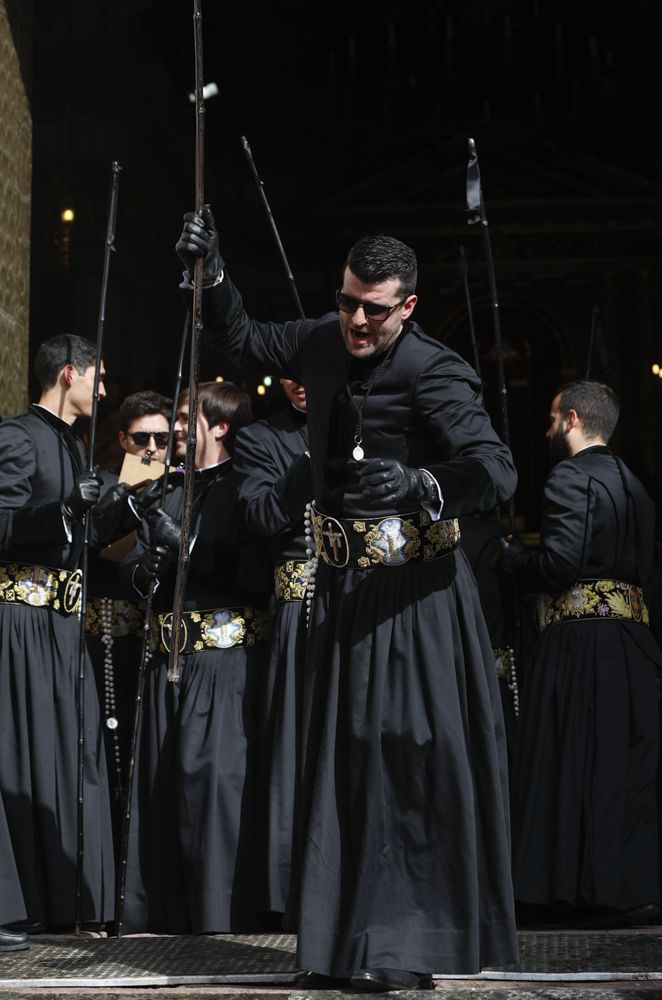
[[595, 404], [223, 403], [65, 349], [378, 258], [143, 404]]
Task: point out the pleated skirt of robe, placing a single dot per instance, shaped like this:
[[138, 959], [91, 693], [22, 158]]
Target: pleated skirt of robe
[[404, 822], [39, 666], [12, 907], [583, 788], [191, 862], [279, 741]]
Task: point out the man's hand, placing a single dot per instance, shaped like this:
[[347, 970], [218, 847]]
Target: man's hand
[[384, 482], [199, 238], [295, 489], [164, 531], [84, 495], [152, 565], [509, 549], [150, 495]]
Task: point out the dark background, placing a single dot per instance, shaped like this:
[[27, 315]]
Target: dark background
[[358, 117]]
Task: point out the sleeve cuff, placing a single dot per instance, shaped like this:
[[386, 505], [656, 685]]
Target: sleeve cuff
[[434, 510], [187, 281]]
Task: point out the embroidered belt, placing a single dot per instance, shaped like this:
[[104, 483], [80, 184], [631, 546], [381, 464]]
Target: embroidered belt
[[41, 587], [220, 628], [391, 540], [504, 661], [115, 617], [290, 580], [597, 600]]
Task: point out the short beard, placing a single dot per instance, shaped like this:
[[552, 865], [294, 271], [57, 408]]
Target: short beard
[[559, 449]]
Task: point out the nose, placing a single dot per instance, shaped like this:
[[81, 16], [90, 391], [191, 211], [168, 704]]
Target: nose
[[360, 319]]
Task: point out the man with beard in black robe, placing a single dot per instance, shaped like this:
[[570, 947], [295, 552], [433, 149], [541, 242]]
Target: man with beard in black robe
[[404, 833], [45, 493], [191, 863], [272, 458], [583, 789]]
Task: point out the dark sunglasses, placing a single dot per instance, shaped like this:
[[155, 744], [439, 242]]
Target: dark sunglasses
[[141, 438], [372, 310]]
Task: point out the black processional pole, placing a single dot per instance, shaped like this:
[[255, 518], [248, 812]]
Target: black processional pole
[[470, 312], [80, 691], [145, 656], [272, 223]]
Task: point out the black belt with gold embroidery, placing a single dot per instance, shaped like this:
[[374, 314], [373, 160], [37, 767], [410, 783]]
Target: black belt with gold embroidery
[[219, 628], [289, 580], [382, 540], [41, 587], [593, 600], [114, 616]]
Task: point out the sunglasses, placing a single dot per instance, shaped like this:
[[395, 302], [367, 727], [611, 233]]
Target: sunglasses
[[141, 438], [372, 310]]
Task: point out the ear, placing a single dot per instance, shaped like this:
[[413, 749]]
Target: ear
[[220, 430], [122, 439], [572, 419], [68, 374], [408, 307]]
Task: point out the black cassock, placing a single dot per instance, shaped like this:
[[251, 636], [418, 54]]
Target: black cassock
[[583, 788], [40, 457], [404, 808], [263, 454], [191, 863]]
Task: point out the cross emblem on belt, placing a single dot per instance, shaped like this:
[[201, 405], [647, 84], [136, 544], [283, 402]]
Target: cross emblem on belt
[[334, 537]]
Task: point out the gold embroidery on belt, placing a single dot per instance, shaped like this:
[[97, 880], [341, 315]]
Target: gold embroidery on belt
[[220, 628], [596, 600], [388, 541], [126, 617], [41, 586], [289, 580]]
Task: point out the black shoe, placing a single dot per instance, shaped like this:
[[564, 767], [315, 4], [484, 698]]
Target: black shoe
[[316, 981], [380, 980], [639, 916], [13, 940]]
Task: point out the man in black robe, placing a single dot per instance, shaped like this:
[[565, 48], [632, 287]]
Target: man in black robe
[[44, 494], [405, 855], [191, 849], [583, 789], [272, 458]]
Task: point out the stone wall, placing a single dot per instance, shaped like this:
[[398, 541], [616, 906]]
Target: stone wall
[[15, 182]]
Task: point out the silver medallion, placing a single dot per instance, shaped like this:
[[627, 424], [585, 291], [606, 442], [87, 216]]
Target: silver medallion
[[112, 722], [358, 453]]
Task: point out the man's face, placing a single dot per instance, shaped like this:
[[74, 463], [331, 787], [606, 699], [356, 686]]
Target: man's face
[[81, 390], [181, 428], [364, 336], [556, 433], [151, 432], [295, 393]]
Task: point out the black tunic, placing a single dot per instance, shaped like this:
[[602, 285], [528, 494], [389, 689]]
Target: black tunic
[[584, 822], [263, 454], [40, 457], [404, 808], [191, 851]]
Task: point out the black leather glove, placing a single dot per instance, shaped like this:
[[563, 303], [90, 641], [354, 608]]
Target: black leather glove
[[509, 549], [84, 495], [113, 517], [152, 565], [164, 531], [199, 238], [295, 489], [385, 482], [150, 495]]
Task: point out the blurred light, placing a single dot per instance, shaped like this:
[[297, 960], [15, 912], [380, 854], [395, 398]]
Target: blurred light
[[261, 391], [209, 90], [655, 369], [219, 378], [67, 215], [267, 380]]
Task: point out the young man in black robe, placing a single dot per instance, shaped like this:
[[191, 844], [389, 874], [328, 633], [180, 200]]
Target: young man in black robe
[[583, 787], [191, 850], [405, 854], [44, 494], [272, 458]]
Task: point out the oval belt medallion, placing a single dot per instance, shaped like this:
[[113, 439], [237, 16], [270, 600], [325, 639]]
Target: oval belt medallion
[[166, 632], [389, 541], [334, 542], [72, 592]]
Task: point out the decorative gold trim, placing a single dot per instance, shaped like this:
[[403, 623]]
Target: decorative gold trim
[[290, 580], [593, 600], [216, 628], [41, 586]]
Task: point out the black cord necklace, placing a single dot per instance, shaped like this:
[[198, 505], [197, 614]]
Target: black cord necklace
[[358, 452]]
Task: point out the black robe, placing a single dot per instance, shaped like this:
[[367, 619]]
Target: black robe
[[583, 789], [263, 454], [191, 850], [405, 847], [40, 457]]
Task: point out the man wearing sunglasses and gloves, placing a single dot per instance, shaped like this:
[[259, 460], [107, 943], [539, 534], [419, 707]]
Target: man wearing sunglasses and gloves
[[404, 859]]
